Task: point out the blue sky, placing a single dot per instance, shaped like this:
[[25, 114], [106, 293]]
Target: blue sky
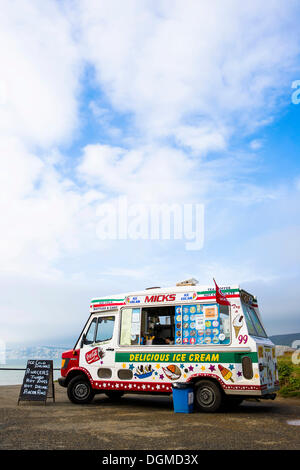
[[159, 104]]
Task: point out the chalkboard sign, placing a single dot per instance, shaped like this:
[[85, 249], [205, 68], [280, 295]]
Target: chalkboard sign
[[38, 381]]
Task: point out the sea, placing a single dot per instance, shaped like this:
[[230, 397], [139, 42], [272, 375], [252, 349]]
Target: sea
[[15, 377]]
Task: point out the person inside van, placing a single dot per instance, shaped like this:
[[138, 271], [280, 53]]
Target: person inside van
[[169, 340]]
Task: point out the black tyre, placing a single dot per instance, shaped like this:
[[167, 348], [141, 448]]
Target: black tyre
[[208, 396], [114, 394], [80, 390]]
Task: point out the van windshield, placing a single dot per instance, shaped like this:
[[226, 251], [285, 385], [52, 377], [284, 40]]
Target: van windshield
[[254, 325]]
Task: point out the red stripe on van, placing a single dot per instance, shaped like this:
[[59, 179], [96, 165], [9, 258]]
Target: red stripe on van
[[213, 297], [132, 386]]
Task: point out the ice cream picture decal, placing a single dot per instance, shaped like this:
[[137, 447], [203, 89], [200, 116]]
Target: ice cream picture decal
[[238, 322], [142, 372], [226, 373], [172, 372]]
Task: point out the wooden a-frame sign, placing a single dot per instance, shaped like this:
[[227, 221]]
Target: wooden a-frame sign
[[38, 382]]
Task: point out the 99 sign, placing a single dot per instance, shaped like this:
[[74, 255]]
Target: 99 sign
[[243, 339]]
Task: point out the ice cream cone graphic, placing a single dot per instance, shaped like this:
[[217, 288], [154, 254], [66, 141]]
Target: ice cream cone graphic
[[237, 324], [226, 373], [237, 330]]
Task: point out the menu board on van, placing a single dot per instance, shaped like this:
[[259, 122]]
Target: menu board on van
[[197, 324]]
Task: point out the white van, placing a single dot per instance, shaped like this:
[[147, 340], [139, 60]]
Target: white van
[[143, 342]]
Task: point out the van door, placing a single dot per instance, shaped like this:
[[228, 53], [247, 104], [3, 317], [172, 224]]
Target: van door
[[267, 365], [266, 352], [98, 350]]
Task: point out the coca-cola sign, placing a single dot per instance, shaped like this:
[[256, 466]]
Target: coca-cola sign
[[94, 355]]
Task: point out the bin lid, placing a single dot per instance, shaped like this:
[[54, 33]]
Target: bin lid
[[181, 385]]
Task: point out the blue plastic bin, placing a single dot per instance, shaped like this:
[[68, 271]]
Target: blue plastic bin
[[183, 397]]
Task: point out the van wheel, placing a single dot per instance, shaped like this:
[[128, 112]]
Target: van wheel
[[208, 396], [80, 390], [114, 394]]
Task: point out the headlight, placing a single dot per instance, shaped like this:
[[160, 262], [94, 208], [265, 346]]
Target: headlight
[[65, 363]]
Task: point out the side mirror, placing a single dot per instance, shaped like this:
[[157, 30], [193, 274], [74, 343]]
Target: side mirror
[[82, 342]]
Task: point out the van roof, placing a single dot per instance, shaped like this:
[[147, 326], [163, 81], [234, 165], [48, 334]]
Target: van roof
[[200, 289]]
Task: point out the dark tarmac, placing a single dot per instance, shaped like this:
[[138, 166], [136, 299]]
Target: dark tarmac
[[143, 422]]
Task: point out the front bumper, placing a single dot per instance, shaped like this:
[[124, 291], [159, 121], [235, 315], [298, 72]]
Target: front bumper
[[62, 381]]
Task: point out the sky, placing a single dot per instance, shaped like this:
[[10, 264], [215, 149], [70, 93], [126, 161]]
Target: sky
[[152, 103]]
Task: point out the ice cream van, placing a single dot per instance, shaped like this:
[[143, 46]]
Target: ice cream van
[[143, 342]]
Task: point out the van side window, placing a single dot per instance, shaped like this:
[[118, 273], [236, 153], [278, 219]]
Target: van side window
[[130, 326], [158, 325], [251, 328], [255, 327], [105, 329], [258, 326], [176, 325], [224, 324], [90, 335]]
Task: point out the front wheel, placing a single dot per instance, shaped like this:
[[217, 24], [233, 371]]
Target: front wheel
[[208, 396], [80, 390]]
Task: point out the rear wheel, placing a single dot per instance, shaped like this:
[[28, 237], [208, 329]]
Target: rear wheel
[[80, 390], [208, 396], [114, 394]]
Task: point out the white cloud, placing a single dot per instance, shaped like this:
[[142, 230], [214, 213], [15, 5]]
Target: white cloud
[[134, 273], [145, 174], [201, 139], [198, 74], [205, 60], [44, 215], [256, 144], [40, 75], [40, 70]]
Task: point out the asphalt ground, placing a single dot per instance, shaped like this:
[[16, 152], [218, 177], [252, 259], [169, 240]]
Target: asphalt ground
[[144, 422]]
